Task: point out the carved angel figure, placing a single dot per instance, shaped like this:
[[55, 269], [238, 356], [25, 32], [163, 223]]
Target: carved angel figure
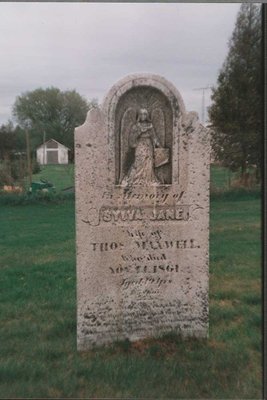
[[143, 139]]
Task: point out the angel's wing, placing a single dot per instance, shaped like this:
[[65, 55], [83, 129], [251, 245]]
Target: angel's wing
[[127, 122], [158, 121]]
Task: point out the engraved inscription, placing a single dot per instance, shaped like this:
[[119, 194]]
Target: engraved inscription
[[132, 214], [146, 245], [141, 196], [160, 213]]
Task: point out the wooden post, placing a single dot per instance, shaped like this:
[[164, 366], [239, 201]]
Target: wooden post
[[44, 139], [229, 178], [29, 164]]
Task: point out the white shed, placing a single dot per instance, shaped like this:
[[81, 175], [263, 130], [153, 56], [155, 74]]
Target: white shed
[[52, 152]]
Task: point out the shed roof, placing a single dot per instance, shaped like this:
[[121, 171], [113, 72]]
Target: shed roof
[[52, 140]]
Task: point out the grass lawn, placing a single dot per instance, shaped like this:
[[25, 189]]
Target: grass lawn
[[62, 176], [38, 316], [220, 177]]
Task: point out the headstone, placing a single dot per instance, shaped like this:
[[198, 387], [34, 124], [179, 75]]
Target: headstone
[[142, 215]]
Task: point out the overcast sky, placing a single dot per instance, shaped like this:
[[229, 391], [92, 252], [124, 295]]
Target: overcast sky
[[89, 46]]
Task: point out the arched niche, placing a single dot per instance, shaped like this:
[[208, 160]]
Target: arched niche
[[165, 108]]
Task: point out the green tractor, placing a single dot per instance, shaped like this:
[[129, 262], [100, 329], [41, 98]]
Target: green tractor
[[43, 186]]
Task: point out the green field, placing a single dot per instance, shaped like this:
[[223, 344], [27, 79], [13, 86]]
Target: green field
[[38, 316], [221, 177], [62, 176]]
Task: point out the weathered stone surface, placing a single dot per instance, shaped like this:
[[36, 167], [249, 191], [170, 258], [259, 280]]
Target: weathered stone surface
[[142, 215]]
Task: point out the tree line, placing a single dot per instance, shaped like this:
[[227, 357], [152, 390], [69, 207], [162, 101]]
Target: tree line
[[236, 113], [45, 114], [40, 115]]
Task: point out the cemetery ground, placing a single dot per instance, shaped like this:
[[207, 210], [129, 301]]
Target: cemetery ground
[[38, 314]]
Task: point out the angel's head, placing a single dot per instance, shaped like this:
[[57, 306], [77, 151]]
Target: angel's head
[[143, 115]]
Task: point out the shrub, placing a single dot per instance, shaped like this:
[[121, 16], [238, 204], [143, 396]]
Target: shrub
[[12, 171], [5, 177], [35, 167]]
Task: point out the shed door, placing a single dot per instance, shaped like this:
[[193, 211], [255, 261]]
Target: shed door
[[52, 157]]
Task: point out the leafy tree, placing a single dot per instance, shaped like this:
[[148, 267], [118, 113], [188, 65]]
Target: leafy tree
[[11, 140], [51, 114], [7, 140], [12, 154], [236, 111]]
